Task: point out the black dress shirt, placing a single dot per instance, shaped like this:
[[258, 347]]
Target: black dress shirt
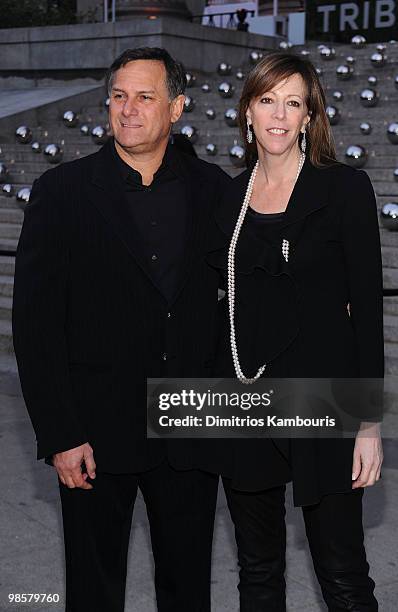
[[159, 212]]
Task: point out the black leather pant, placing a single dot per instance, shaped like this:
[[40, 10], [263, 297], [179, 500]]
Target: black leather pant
[[335, 536]]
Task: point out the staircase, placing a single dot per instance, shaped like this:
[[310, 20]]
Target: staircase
[[25, 165]]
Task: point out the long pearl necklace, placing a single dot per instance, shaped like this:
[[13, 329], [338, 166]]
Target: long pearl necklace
[[231, 273]]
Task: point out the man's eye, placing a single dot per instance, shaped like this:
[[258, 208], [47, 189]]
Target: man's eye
[[117, 95], [146, 97]]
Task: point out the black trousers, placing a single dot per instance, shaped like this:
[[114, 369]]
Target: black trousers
[[335, 536], [180, 507]]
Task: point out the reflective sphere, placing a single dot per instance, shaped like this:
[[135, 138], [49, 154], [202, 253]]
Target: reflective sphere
[[350, 59], [240, 75], [211, 149], [190, 132], [344, 72], [231, 117], [372, 80], [191, 79], [378, 59], [226, 90], [356, 156], [327, 53], [3, 172], [206, 88], [333, 115], [224, 69], [365, 128], [396, 174], [23, 196], [358, 41], [255, 57], [285, 45], [36, 147], [70, 119], [237, 156], [99, 135], [107, 102], [396, 81], [211, 113], [381, 48], [85, 130], [7, 190], [392, 133], [53, 153], [23, 134], [304, 52], [319, 71], [189, 104], [338, 96], [369, 98], [389, 216]]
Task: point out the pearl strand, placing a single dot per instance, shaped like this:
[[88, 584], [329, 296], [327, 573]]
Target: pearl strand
[[231, 273]]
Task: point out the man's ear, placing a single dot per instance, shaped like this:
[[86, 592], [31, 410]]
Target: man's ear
[[177, 106]]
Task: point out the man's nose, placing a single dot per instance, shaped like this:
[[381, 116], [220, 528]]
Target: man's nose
[[129, 108]]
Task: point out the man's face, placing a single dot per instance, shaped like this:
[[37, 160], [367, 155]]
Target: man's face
[[140, 111]]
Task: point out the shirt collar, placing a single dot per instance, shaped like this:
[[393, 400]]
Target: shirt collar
[[128, 173]]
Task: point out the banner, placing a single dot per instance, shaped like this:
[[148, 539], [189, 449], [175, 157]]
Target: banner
[[377, 20]]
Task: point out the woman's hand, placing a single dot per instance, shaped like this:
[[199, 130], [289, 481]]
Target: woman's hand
[[368, 456]]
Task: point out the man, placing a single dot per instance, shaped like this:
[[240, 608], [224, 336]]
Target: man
[[112, 287]]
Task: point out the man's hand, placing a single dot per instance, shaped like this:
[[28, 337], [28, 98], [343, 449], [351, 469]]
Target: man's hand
[[68, 466], [368, 456]]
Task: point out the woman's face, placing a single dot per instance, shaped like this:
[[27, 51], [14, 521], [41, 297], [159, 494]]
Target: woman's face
[[278, 116]]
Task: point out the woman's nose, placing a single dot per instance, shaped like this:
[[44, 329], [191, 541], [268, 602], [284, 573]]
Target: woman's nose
[[279, 110]]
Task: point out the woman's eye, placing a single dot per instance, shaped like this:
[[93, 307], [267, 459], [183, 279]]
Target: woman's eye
[[294, 103], [266, 100]]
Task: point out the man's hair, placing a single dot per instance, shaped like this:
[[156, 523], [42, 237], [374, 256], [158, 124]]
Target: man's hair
[[175, 74]]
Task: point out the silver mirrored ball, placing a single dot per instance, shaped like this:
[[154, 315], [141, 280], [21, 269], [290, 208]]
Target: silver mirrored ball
[[224, 69], [389, 216], [226, 90], [365, 128], [36, 147], [7, 190], [23, 134], [85, 130], [378, 60], [206, 88], [210, 113], [191, 79], [53, 153], [344, 72], [240, 75], [231, 117], [69, 119], [211, 149], [99, 135], [190, 132], [369, 97], [237, 156], [372, 80], [333, 114], [327, 53], [23, 196], [254, 57], [358, 41], [392, 133], [338, 96], [189, 104], [356, 156]]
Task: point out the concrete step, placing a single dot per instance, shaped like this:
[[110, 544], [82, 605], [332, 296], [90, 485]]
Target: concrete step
[[390, 277], [390, 305], [6, 285], [391, 328], [5, 308], [391, 358], [390, 256], [7, 265], [6, 345], [10, 230]]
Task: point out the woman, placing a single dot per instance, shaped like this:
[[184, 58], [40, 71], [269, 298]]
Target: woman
[[304, 278]]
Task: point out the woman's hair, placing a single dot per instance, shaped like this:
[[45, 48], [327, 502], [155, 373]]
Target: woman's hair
[[269, 72]]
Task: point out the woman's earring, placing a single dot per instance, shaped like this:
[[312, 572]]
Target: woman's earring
[[249, 134], [303, 142]]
